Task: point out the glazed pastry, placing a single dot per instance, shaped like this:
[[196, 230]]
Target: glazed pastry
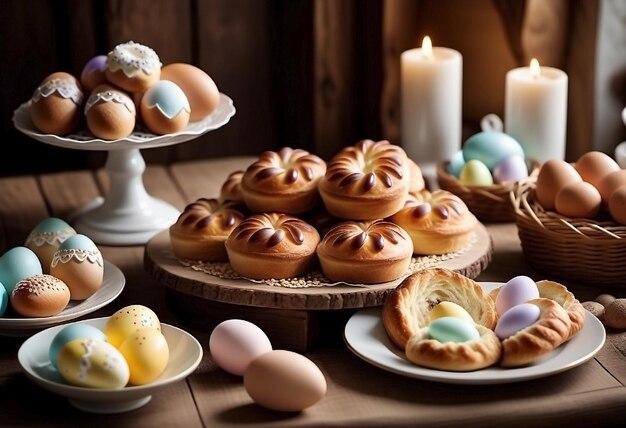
[[55, 107], [284, 181], [231, 188], [366, 182], [365, 252], [40, 296], [133, 67], [272, 245], [407, 308], [110, 113], [202, 229], [438, 222]]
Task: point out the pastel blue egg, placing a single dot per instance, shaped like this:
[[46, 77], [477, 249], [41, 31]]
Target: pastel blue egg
[[456, 164], [69, 333], [476, 173], [168, 97], [511, 168], [16, 264], [78, 242], [517, 318], [452, 329], [490, 147], [50, 225], [4, 299]]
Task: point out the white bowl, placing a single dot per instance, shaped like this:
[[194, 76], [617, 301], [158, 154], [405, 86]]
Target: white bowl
[[185, 355]]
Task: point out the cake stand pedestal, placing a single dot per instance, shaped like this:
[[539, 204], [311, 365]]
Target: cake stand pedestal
[[128, 215]]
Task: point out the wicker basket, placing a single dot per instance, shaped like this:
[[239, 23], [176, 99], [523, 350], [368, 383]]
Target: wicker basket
[[488, 203], [582, 250]]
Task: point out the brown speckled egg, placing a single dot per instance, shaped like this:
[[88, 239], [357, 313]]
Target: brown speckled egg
[[55, 107], [617, 205], [199, 88], [578, 200], [110, 113], [593, 166], [610, 183], [165, 108], [553, 175], [615, 314], [596, 309]]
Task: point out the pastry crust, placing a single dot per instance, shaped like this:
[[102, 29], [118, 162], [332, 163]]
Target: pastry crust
[[416, 182], [365, 252], [284, 181], [407, 308], [367, 181], [202, 229], [438, 222], [454, 356], [272, 245], [231, 188], [544, 335]]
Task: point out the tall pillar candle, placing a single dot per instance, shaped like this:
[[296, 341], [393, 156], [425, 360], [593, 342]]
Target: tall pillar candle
[[431, 96], [536, 110]]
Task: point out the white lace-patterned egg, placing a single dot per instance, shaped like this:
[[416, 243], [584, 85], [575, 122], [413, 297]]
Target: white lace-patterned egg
[[165, 108], [45, 238]]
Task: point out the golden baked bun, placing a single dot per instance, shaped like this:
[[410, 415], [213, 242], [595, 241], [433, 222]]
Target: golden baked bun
[[231, 188], [561, 295], [283, 181], [272, 245], [133, 67], [55, 107], [202, 229], [110, 113], [416, 182], [438, 222], [454, 356], [367, 181], [407, 308], [365, 252], [40, 296]]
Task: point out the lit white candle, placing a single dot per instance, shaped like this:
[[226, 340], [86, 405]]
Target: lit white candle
[[431, 102], [536, 110]]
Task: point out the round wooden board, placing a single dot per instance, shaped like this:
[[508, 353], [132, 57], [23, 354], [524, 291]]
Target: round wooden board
[[160, 262]]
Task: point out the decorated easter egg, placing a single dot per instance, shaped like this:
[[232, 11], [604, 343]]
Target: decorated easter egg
[[235, 343], [78, 263], [17, 264], [554, 174], [165, 108], [56, 104], [578, 200], [146, 353], [199, 88], [110, 113], [476, 173], [490, 147], [517, 318], [517, 290], [69, 333], [92, 363], [4, 299], [450, 309], [452, 329], [284, 381], [456, 164], [45, 238], [127, 320], [511, 168], [93, 73]]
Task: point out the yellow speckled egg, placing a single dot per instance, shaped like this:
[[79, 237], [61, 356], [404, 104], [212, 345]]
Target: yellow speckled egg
[[146, 353], [92, 363], [450, 309], [56, 104], [127, 321], [78, 263], [199, 88]]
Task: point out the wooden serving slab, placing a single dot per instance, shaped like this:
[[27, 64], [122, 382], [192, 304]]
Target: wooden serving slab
[[290, 316]]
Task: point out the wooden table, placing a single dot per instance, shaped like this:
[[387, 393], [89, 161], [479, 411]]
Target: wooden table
[[358, 394]]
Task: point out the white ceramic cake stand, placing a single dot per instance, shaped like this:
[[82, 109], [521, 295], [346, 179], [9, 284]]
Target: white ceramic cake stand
[[128, 215]]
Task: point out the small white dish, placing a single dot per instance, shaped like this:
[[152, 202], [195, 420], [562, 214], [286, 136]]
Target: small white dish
[[185, 356], [112, 285], [365, 335]]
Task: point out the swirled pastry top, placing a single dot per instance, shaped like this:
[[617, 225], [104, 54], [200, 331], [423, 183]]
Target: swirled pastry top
[[287, 171], [439, 209], [231, 188], [271, 233], [367, 169], [208, 217], [374, 240]]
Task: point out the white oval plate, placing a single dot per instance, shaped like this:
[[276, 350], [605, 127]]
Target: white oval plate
[[365, 335], [112, 285], [185, 356]]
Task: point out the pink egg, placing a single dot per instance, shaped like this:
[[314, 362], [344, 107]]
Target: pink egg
[[519, 289], [511, 168], [517, 318], [235, 343]]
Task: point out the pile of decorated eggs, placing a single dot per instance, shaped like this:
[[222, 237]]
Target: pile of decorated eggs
[[595, 181], [276, 379], [116, 90], [130, 350], [487, 158], [54, 266]]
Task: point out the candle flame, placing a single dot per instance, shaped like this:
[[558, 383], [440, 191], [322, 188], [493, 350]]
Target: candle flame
[[427, 47], [535, 70]]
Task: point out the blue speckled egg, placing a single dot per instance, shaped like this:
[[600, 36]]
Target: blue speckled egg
[[16, 264], [456, 164], [476, 173], [452, 329], [490, 147], [69, 333], [4, 299], [165, 108], [517, 318]]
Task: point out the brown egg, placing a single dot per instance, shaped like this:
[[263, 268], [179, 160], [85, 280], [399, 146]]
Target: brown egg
[[553, 176], [617, 205], [165, 108], [200, 89], [110, 113], [578, 200], [610, 183], [593, 166], [56, 104]]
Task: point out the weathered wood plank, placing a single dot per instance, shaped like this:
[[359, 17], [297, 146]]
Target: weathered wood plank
[[65, 192]]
